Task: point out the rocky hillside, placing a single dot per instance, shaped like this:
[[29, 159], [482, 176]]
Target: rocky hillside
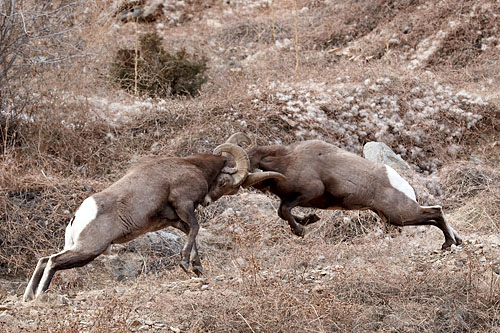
[[420, 76]]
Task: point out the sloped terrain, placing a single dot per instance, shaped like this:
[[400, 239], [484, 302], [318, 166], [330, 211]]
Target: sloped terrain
[[420, 76]]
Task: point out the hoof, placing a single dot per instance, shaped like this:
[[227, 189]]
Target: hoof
[[449, 242], [198, 270], [185, 266], [299, 231], [447, 245], [310, 219]]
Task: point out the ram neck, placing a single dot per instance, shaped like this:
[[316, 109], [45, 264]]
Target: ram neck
[[210, 165], [269, 158]]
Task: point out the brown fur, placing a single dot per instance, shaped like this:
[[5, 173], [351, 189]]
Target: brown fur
[[320, 175], [155, 193]]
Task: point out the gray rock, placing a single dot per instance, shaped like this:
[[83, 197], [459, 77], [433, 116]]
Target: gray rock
[[381, 153], [125, 267], [131, 260], [159, 241], [6, 318]]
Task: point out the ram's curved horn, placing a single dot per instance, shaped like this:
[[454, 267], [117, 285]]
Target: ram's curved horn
[[240, 158], [239, 138], [257, 177]]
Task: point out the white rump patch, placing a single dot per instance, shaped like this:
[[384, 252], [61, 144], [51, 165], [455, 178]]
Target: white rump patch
[[399, 183], [83, 216]]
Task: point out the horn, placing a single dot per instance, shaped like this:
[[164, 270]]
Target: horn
[[257, 177], [239, 138], [240, 158]]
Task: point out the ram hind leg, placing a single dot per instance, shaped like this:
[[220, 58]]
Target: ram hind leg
[[430, 215], [63, 260], [436, 213], [29, 293], [433, 215]]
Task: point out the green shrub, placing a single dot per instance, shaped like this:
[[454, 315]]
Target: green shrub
[[159, 73]]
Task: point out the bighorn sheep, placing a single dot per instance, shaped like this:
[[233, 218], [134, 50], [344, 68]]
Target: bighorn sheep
[[320, 175], [155, 193]]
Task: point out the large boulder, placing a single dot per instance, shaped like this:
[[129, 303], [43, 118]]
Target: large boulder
[[381, 153], [152, 251], [427, 187]]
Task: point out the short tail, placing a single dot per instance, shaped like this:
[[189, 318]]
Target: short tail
[[68, 239]]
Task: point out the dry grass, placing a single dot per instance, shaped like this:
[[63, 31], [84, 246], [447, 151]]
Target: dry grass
[[316, 286], [349, 273]]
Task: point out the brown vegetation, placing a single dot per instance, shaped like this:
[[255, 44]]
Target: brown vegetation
[[398, 72]]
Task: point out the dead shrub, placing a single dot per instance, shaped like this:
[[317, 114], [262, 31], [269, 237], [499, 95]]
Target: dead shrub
[[473, 192], [249, 31], [10, 125], [340, 23], [35, 37], [475, 34], [33, 220], [158, 73], [344, 226], [464, 181]]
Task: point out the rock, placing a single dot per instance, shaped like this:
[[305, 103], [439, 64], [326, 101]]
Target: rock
[[135, 11], [62, 299], [135, 323], [494, 240], [161, 241], [381, 153], [319, 289], [155, 147], [6, 306], [6, 318], [125, 266]]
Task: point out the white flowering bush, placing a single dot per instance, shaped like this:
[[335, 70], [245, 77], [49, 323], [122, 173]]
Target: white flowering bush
[[419, 122]]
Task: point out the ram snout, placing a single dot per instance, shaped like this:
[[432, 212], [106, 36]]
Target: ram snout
[[230, 179], [222, 186]]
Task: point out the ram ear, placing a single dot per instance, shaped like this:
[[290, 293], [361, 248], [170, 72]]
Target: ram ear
[[257, 177]]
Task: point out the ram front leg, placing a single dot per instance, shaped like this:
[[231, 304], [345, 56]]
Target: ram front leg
[[195, 257], [306, 220], [185, 211], [285, 212]]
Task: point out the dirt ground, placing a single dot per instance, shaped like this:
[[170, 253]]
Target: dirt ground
[[420, 76]]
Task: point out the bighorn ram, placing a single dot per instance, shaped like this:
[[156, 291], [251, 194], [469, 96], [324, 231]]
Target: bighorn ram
[[155, 193], [320, 175]]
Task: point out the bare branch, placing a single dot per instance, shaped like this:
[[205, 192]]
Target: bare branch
[[24, 23]]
